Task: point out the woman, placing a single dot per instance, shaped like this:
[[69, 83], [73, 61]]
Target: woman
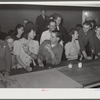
[[19, 30], [26, 49], [72, 49]]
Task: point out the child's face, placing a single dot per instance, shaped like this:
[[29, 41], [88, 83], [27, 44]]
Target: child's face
[[10, 42]]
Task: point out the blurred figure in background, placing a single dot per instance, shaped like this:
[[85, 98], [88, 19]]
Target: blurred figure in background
[[41, 22], [25, 21], [19, 30]]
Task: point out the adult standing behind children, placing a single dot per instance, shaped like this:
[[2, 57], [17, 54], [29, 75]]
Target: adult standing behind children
[[86, 38], [41, 22]]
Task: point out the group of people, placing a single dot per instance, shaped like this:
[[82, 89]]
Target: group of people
[[48, 41]]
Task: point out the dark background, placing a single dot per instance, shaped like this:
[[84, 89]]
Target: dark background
[[11, 15]]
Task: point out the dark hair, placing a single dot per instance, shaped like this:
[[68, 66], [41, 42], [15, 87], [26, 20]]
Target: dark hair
[[17, 27], [58, 34], [9, 37], [11, 33], [58, 15], [29, 26], [88, 23], [72, 31], [51, 20], [78, 26]]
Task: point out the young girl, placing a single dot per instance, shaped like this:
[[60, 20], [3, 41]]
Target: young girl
[[72, 49]]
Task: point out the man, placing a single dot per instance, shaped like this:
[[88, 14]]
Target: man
[[41, 22], [86, 40], [5, 58], [46, 34], [51, 50]]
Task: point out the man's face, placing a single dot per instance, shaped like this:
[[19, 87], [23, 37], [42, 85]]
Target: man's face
[[86, 28], [53, 38], [43, 13], [52, 26]]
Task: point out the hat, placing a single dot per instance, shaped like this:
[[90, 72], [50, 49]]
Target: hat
[[30, 25]]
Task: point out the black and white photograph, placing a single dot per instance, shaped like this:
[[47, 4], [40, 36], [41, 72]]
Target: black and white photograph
[[49, 45]]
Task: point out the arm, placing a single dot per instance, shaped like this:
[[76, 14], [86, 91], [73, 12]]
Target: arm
[[20, 61], [8, 58], [56, 58], [26, 50], [40, 54]]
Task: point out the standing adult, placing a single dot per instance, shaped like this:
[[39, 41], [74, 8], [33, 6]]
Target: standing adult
[[41, 22], [86, 40]]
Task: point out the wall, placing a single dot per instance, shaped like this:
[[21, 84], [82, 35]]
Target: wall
[[92, 13], [11, 15]]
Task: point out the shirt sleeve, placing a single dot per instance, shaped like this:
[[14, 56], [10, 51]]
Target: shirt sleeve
[[8, 58], [67, 49], [36, 47], [57, 59], [42, 37], [16, 49], [41, 48]]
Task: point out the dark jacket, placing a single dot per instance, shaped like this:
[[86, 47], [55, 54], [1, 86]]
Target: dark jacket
[[5, 56], [65, 36], [42, 23], [84, 40]]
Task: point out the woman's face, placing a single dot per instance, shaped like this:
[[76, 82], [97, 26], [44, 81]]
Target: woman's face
[[58, 21], [75, 35], [32, 34], [20, 30]]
